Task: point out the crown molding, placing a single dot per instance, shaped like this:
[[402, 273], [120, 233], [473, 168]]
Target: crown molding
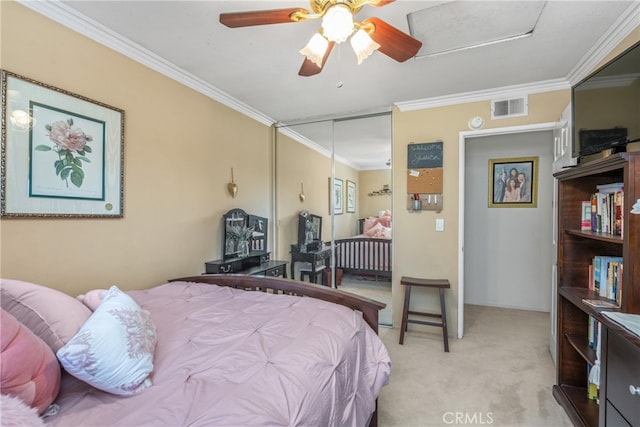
[[505, 92], [285, 130], [86, 26], [628, 22], [622, 28]]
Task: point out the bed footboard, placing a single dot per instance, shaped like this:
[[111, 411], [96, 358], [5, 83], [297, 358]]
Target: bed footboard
[[364, 255], [368, 307]]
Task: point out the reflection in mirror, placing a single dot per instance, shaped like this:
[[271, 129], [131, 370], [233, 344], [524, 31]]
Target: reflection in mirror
[[356, 151]]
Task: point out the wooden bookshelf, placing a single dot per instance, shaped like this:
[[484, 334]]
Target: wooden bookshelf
[[576, 250]]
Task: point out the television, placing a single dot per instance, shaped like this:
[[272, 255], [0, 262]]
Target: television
[[606, 107]]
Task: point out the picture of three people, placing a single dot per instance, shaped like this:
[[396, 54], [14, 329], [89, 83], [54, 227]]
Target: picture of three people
[[512, 181]]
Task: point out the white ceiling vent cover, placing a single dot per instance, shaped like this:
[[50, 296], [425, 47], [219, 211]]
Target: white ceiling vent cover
[[514, 107]]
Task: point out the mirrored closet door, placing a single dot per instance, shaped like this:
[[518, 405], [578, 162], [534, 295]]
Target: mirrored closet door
[[333, 203]]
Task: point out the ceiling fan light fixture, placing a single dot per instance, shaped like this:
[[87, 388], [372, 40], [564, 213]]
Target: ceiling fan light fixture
[[363, 45], [337, 23], [315, 49]]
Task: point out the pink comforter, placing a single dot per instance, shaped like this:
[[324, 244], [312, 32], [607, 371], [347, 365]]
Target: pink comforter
[[233, 358]]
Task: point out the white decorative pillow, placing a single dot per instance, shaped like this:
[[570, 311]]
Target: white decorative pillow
[[113, 350]]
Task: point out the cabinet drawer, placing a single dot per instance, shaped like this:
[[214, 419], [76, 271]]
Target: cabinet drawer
[[623, 370], [613, 417], [275, 272]]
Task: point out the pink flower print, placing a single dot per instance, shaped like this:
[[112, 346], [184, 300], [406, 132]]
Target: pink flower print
[[67, 137]]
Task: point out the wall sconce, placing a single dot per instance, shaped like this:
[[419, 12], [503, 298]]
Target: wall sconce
[[301, 195], [232, 187]]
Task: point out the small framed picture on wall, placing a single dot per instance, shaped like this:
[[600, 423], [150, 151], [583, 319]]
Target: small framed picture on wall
[[336, 192], [351, 196]]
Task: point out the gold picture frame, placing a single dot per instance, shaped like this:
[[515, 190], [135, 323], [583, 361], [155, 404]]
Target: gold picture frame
[[513, 182], [336, 196], [62, 153], [351, 197]]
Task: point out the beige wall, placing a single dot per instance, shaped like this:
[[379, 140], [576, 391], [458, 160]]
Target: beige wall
[[418, 250], [370, 181], [179, 147]]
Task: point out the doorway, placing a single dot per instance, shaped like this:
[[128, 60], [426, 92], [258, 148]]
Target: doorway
[[505, 267]]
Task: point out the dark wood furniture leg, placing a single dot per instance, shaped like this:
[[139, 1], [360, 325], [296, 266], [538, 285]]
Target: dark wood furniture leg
[[441, 285], [405, 313]]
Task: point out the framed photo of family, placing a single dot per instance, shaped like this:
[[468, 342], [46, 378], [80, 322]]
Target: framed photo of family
[[62, 153], [513, 182]]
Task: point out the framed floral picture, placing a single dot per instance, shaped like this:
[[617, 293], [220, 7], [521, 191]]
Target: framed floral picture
[[62, 153], [513, 182], [351, 196], [336, 192]]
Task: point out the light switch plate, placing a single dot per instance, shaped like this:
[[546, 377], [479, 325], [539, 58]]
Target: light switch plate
[[439, 224]]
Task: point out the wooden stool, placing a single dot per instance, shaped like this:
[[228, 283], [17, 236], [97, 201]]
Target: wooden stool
[[441, 285], [313, 277]]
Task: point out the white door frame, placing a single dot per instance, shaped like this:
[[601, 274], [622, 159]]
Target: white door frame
[[462, 141]]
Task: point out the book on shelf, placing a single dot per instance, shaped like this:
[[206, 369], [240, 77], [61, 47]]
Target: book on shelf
[[599, 303], [607, 213], [585, 224], [605, 277], [593, 371], [613, 187]]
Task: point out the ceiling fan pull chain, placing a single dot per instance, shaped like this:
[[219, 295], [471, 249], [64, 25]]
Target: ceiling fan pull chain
[[339, 84]]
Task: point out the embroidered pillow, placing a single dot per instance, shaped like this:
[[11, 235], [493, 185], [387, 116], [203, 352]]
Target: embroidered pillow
[[29, 369], [113, 350], [52, 315]]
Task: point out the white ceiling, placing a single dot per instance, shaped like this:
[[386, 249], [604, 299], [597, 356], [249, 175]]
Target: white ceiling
[[255, 69]]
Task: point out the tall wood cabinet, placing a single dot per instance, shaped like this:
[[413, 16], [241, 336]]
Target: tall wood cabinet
[[576, 250]]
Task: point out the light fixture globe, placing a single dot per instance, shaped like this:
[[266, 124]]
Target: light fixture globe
[[363, 45], [315, 49], [337, 23]]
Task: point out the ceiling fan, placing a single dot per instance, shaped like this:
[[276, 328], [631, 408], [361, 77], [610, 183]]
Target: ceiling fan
[[337, 26]]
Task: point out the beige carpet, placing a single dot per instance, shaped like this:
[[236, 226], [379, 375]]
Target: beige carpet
[[499, 374], [367, 286]]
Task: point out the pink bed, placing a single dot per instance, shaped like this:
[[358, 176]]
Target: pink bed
[[228, 357], [368, 252]]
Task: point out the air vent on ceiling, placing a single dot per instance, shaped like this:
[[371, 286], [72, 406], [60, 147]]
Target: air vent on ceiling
[[514, 107]]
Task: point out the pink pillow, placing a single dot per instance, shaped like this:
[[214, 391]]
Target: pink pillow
[[92, 299], [29, 369], [368, 224], [385, 221], [374, 231], [16, 413], [52, 315]]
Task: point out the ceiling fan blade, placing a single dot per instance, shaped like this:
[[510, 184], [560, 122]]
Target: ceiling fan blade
[[393, 42], [309, 68], [260, 17], [381, 3]]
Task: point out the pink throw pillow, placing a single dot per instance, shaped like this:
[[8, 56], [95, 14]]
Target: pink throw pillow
[[368, 224], [92, 299], [29, 369], [50, 314]]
